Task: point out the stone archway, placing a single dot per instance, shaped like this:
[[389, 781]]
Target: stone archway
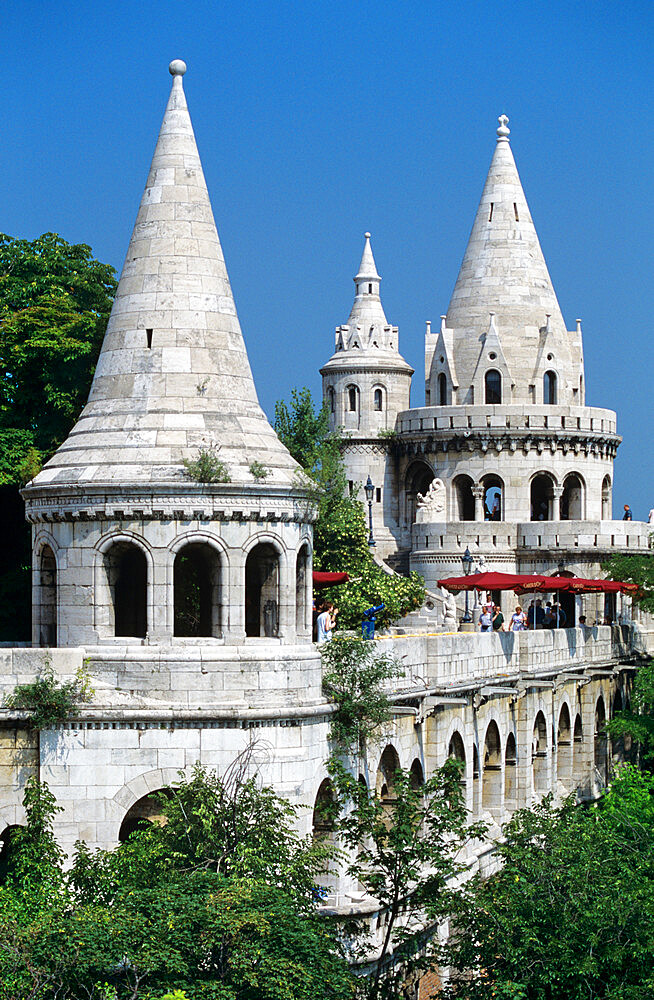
[[491, 794]]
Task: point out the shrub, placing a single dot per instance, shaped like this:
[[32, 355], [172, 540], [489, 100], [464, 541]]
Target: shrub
[[207, 467], [48, 701]]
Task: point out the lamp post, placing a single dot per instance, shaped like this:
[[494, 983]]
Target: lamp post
[[466, 559], [370, 492]]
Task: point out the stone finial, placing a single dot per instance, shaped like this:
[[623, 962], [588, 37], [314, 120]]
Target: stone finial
[[503, 132], [177, 67]]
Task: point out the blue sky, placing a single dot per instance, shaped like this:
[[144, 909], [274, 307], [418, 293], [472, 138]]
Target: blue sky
[[318, 121]]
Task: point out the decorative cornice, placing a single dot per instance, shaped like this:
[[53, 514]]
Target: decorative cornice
[[226, 502]]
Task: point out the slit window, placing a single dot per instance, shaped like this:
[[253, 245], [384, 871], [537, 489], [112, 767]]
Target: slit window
[[369, 289], [490, 214], [352, 398], [515, 212], [148, 337], [377, 400], [378, 496]]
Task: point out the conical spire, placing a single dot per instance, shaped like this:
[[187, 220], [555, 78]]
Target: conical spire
[[367, 308], [504, 272], [173, 374]]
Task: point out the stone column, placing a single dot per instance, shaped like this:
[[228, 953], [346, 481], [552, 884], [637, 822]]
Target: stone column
[[234, 598], [557, 493], [478, 494]]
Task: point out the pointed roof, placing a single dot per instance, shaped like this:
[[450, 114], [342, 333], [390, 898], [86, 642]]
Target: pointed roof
[[504, 272], [173, 375], [367, 309], [367, 339]]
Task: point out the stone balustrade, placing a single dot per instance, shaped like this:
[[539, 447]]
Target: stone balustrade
[[506, 418]]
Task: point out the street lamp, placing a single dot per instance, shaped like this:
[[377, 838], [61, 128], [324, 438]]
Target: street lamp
[[370, 492], [466, 559]]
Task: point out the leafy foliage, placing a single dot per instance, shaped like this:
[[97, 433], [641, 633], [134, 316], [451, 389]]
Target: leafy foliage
[[207, 467], [49, 701], [638, 721], [340, 533], [258, 471], [372, 586], [635, 569], [204, 906], [354, 675], [569, 914], [55, 300], [405, 851]]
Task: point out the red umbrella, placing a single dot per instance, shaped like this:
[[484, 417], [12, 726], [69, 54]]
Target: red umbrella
[[576, 585], [520, 582], [321, 579]]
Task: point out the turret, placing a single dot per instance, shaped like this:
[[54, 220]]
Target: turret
[[366, 383], [127, 531], [508, 339]]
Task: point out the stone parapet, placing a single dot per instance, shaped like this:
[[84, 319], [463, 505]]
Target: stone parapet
[[568, 428]]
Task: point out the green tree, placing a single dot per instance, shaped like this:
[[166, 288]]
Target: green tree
[[340, 532], [637, 569], [353, 677], [216, 903], [55, 300], [406, 851], [638, 720], [570, 912]]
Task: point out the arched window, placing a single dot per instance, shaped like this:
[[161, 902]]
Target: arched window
[[7, 842], [564, 747], [331, 399], [127, 575], [301, 601], [572, 498], [456, 750], [493, 498], [600, 748], [353, 398], [147, 810], [197, 591], [606, 498], [419, 476], [388, 765], [378, 400], [549, 389], [417, 775], [442, 389], [262, 591], [539, 755], [541, 494], [48, 598], [510, 785], [464, 501], [491, 794], [493, 386]]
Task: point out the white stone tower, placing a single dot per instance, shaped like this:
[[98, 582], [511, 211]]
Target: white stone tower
[[366, 383], [525, 468], [116, 516]]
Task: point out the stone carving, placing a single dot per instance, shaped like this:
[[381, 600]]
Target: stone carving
[[432, 506], [449, 609]]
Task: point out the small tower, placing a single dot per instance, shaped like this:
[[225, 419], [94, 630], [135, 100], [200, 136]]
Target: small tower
[[366, 383], [124, 532]]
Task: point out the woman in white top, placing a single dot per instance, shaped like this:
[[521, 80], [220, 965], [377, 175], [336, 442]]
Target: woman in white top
[[518, 620], [325, 623]]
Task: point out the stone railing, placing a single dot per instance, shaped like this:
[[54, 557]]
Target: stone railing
[[507, 536], [157, 681], [563, 419]]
